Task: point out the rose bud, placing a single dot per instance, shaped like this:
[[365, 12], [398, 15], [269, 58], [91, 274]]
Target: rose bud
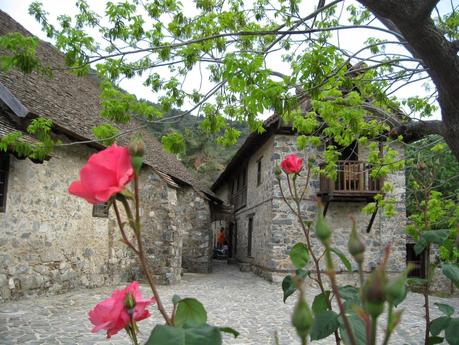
[[323, 231], [396, 290], [355, 245], [373, 293], [136, 147], [302, 318]]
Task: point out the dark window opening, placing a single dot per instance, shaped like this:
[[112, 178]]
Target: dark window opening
[[100, 210], [249, 237], [418, 261], [4, 169], [259, 172], [350, 153]]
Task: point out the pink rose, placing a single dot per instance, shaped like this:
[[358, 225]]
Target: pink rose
[[113, 314], [292, 164], [105, 174]]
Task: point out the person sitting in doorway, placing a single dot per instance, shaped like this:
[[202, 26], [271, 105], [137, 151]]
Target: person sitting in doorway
[[225, 249], [221, 238]]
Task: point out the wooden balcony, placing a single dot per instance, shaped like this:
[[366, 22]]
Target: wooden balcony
[[353, 183], [239, 199]]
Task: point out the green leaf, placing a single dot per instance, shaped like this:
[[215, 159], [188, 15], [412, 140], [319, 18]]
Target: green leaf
[[445, 309], [343, 258], [357, 327], [229, 330], [288, 286], [324, 324], [320, 303], [416, 281], [434, 340], [420, 246], [402, 297], [168, 335], [452, 272], [452, 332], [436, 236], [438, 325], [349, 293], [191, 312], [299, 255]]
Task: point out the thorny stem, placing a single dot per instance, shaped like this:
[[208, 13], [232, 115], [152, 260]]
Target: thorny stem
[[308, 241], [390, 327], [374, 324], [426, 291], [121, 226], [332, 275], [136, 226], [360, 266]]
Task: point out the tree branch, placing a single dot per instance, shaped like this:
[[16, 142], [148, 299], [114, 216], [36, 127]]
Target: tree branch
[[417, 130]]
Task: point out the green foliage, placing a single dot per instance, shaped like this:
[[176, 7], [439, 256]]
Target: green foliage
[[191, 312], [106, 133], [173, 142], [452, 272], [22, 53], [325, 323], [288, 286], [343, 258], [320, 303], [299, 255], [199, 335], [445, 323]]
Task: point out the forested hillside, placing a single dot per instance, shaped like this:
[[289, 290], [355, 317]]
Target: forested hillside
[[202, 154]]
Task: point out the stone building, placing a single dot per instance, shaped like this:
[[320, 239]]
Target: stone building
[[51, 241], [262, 229]]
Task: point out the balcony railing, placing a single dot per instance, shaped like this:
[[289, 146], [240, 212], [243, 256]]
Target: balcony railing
[[239, 199], [353, 179]]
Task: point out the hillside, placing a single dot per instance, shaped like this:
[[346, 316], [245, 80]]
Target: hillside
[[202, 156]]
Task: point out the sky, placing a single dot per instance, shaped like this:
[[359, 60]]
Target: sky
[[351, 40]]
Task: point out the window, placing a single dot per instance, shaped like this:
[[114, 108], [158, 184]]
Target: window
[[419, 262], [4, 169], [249, 237], [100, 210], [259, 172]]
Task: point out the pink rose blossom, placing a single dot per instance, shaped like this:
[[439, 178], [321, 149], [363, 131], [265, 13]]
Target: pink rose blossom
[[113, 315], [105, 174], [292, 164]]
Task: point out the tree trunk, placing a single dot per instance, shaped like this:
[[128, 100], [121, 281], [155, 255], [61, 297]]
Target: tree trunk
[[426, 42]]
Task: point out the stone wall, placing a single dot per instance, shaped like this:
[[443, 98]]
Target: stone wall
[[162, 233], [286, 230], [194, 214], [49, 240], [259, 207], [51, 243]]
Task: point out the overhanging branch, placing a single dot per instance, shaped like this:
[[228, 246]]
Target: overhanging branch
[[416, 130]]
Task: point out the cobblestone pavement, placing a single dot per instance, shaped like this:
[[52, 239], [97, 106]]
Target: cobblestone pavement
[[241, 300]]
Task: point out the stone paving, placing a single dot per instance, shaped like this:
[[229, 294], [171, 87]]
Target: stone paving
[[241, 300]]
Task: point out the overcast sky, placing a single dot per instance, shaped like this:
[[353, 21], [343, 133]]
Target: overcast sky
[[18, 9]]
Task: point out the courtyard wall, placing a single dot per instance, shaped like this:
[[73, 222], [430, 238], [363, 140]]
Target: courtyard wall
[[51, 243]]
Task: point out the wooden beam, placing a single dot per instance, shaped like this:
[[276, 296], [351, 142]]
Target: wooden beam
[[13, 103]]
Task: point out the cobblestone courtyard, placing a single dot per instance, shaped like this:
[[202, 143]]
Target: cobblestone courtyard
[[242, 300]]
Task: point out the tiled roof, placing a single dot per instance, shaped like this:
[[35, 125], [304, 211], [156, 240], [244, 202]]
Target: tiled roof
[[73, 104]]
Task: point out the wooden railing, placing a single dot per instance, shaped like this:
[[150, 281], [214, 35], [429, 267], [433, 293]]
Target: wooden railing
[[239, 199], [353, 177]]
